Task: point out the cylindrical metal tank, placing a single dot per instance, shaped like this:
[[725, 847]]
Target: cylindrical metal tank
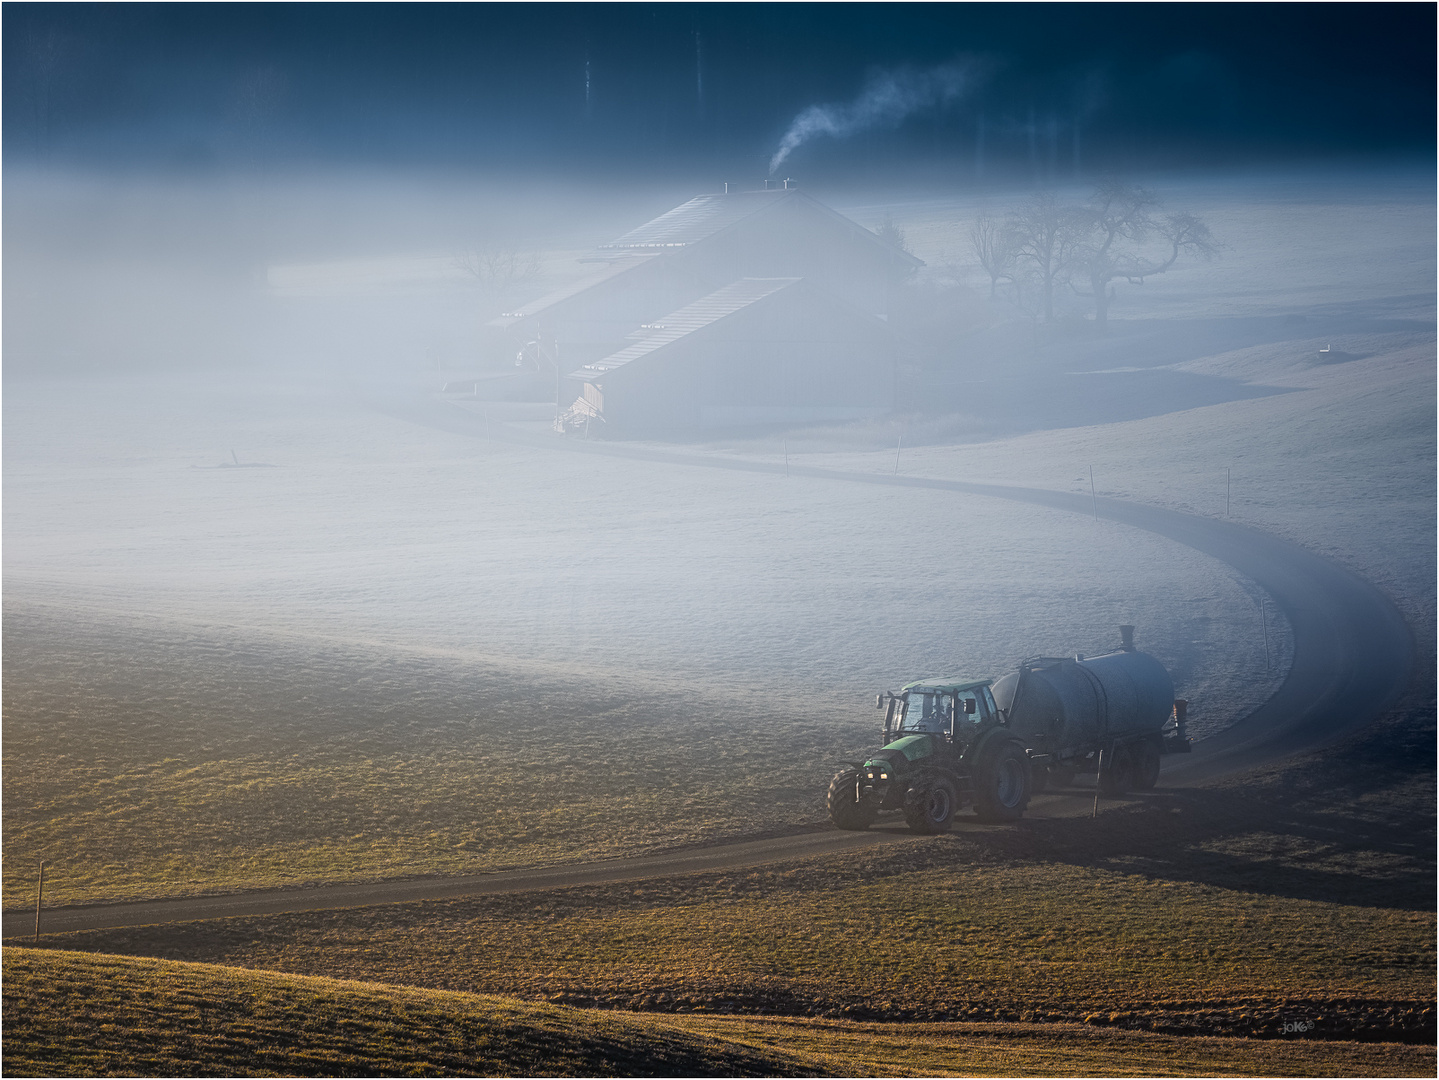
[[1056, 706]]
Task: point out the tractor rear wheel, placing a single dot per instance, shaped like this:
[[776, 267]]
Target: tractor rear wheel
[[1146, 766], [846, 809], [1001, 782], [929, 805], [1117, 776]]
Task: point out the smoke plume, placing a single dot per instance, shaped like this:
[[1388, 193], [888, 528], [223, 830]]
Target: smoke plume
[[887, 98]]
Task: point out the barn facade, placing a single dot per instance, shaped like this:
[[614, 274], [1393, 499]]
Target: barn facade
[[731, 310]]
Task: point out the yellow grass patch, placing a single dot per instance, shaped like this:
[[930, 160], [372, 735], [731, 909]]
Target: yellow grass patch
[[912, 933], [79, 1014]]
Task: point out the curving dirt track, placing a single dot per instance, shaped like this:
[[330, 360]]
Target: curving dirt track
[[1354, 656]]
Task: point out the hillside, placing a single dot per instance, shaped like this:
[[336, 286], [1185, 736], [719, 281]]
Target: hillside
[[401, 652], [79, 1014]]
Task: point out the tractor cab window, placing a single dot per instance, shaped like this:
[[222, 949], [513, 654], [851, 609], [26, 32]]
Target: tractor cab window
[[927, 712]]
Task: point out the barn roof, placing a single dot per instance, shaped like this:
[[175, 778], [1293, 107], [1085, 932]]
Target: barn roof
[[701, 217], [705, 215], [734, 297], [622, 265]]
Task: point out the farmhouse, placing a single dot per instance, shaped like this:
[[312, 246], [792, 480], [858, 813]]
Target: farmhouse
[[733, 309]]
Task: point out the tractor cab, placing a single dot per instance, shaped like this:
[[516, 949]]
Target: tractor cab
[[951, 709]]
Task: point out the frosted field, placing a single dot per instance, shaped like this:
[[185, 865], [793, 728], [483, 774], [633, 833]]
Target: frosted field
[[813, 594]]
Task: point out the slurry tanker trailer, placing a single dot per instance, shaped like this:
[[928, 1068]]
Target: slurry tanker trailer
[[990, 743]]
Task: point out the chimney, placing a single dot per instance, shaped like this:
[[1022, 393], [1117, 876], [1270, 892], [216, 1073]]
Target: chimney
[[1126, 635], [726, 189], [788, 183]]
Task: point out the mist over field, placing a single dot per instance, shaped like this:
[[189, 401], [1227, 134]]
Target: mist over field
[[154, 349], [335, 552]]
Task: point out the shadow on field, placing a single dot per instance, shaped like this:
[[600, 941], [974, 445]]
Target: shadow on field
[[1352, 825], [1156, 343], [1075, 399]]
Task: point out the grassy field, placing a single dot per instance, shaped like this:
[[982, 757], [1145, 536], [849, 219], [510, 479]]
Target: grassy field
[[79, 1014], [159, 757], [1297, 895], [173, 759], [873, 938]]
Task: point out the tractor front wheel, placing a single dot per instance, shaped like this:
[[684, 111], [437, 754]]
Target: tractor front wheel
[[929, 805], [846, 809]]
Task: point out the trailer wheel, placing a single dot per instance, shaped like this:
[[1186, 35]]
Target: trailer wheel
[[1146, 766], [846, 810], [1001, 783], [1117, 776], [929, 805]]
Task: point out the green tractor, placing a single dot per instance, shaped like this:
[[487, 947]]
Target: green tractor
[[945, 745]]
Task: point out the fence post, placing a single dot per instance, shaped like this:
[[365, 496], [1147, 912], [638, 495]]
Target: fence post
[[1264, 622], [39, 899]]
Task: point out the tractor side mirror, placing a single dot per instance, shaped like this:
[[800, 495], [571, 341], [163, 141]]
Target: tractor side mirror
[[968, 706]]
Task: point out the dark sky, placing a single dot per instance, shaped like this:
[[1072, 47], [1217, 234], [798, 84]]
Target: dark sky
[[624, 90]]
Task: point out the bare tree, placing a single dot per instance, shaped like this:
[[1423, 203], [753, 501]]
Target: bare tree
[[1044, 235], [499, 266], [1116, 226], [1116, 212], [995, 247], [1184, 232]]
